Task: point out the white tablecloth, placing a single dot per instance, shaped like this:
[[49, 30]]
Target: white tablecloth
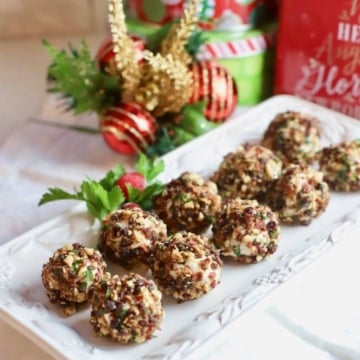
[[315, 315]]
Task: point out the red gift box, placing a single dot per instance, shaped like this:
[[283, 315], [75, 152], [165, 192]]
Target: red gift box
[[318, 53]]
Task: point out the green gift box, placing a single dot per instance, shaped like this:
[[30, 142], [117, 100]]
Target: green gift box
[[249, 56]]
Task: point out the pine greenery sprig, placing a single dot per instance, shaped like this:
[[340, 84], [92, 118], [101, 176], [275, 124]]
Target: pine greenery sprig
[[75, 75]]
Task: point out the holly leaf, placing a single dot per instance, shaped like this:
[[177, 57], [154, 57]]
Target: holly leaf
[[196, 39]]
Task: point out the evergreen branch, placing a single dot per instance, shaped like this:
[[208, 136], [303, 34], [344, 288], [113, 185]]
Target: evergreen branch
[[75, 75]]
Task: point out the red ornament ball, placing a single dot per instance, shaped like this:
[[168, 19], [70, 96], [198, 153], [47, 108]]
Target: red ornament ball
[[105, 56], [128, 128], [214, 84]]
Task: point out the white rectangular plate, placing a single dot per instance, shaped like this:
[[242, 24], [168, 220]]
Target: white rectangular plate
[[23, 302]]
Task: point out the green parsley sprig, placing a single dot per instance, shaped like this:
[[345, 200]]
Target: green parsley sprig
[[104, 196]]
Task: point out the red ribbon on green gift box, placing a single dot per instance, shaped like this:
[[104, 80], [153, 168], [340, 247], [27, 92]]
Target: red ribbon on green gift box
[[235, 49]]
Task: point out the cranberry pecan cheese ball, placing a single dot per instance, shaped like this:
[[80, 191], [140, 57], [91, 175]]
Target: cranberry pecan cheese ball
[[294, 137], [70, 275], [187, 203], [340, 165], [187, 266], [300, 195], [245, 230], [247, 172], [129, 234], [126, 309]]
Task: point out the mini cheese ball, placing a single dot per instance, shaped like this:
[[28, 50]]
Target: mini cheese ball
[[245, 230], [126, 309], [188, 203], [129, 235], [294, 137], [70, 274], [247, 172], [300, 195], [187, 266], [341, 165]]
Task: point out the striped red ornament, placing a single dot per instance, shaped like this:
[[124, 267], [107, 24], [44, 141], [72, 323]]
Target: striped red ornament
[[214, 84], [105, 55], [128, 128]]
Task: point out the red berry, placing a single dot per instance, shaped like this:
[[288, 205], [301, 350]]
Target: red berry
[[135, 179], [130, 205]]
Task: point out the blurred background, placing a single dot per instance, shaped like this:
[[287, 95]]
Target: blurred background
[[23, 59], [37, 18], [239, 34]]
